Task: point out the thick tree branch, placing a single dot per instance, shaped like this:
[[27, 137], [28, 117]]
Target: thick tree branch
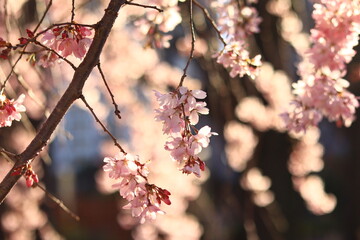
[[73, 92]]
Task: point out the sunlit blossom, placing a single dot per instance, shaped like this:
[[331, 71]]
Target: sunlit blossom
[[144, 198], [322, 91], [179, 111], [67, 40], [10, 110]]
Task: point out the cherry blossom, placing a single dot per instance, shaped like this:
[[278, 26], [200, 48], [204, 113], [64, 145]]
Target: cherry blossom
[[154, 26], [311, 189], [240, 144], [258, 184], [68, 40], [48, 59], [322, 91], [237, 23], [201, 139], [29, 174], [10, 110], [236, 57], [179, 112], [144, 198]]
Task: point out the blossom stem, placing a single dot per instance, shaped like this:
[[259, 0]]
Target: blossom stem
[[11, 71], [192, 43], [72, 10], [101, 124], [58, 202], [43, 16], [211, 20], [144, 6], [117, 111]]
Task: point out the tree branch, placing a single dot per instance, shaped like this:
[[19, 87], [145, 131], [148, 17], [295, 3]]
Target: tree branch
[[72, 93]]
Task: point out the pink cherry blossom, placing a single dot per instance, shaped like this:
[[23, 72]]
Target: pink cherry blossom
[[68, 40], [194, 165], [48, 59], [236, 57], [144, 198], [153, 26], [29, 174], [201, 139], [10, 110], [236, 24], [179, 112], [178, 147], [322, 91], [300, 117]]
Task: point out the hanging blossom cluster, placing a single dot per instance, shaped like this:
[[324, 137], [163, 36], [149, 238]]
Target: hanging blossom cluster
[[144, 198], [65, 40], [154, 26], [10, 110], [236, 24], [322, 91], [179, 112]]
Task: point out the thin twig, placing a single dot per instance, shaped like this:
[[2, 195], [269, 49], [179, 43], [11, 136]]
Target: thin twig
[[30, 92], [7, 26], [5, 9], [211, 20], [117, 111], [43, 16], [72, 10], [12, 158], [8, 154], [63, 24], [144, 6], [11, 72], [192, 43], [58, 202], [101, 124]]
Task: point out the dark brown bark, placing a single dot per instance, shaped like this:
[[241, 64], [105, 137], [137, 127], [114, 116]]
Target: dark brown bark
[[72, 93]]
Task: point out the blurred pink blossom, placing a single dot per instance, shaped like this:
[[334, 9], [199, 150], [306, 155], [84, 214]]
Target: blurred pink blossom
[[10, 110], [311, 189]]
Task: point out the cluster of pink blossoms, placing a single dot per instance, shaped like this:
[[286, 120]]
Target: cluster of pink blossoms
[[179, 112], [154, 26], [236, 21], [236, 57], [321, 90], [144, 198], [66, 40], [10, 110], [236, 24]]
